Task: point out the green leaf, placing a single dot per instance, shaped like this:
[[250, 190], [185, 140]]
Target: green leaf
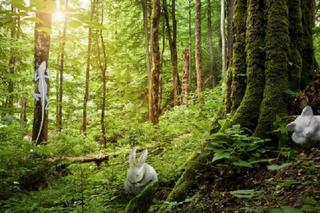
[[242, 163], [245, 193], [286, 209], [221, 155], [278, 167]]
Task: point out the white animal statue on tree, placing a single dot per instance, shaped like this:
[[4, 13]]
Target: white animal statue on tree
[[41, 76], [140, 174], [306, 127]]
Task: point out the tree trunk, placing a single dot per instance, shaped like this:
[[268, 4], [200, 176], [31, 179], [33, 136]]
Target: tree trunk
[[307, 51], [173, 49], [230, 14], [12, 62], [269, 33], [198, 45], [41, 53], [155, 54], [190, 44], [57, 82], [223, 39], [161, 66], [103, 67], [248, 112], [144, 4], [86, 92], [210, 46], [239, 65], [185, 76], [275, 100], [61, 68]]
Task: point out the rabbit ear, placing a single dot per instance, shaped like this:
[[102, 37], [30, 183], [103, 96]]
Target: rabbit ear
[[307, 111], [290, 126], [143, 157], [132, 156]]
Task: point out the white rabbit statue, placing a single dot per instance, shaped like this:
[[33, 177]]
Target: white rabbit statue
[[306, 127], [139, 174]]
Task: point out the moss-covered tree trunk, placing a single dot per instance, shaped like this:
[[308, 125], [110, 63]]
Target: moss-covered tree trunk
[[155, 70], [238, 70], [248, 111], [276, 34], [272, 47]]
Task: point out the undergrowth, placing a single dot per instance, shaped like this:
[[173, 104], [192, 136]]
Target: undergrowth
[[247, 175]]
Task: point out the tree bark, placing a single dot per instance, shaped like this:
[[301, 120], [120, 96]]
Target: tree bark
[[155, 53], [41, 53], [12, 61], [307, 51], [173, 49], [103, 67], [210, 46], [223, 39], [275, 99], [86, 91], [185, 75], [190, 42], [145, 13], [230, 14], [269, 36], [61, 68], [239, 63], [198, 45], [248, 112], [161, 68]]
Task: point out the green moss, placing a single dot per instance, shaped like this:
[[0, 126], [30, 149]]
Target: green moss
[[307, 52], [296, 33], [227, 94], [142, 201], [196, 166], [275, 101], [238, 85], [248, 112]]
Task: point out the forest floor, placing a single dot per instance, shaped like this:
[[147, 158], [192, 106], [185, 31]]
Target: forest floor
[[287, 180], [292, 186]]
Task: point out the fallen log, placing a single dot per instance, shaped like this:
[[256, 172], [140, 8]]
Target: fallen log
[[64, 162]]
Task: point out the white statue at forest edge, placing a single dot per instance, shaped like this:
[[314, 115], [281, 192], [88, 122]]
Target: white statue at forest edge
[[306, 127]]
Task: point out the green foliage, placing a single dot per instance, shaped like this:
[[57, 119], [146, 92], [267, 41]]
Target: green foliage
[[26, 169], [245, 193], [237, 148]]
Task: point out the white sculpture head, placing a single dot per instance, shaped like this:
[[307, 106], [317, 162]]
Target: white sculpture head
[[306, 127]]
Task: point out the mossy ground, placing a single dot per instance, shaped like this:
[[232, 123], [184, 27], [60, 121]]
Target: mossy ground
[[295, 186]]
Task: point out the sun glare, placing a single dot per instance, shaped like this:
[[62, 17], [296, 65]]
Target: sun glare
[[58, 16]]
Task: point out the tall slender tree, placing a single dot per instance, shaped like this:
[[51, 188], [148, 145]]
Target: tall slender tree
[[173, 48], [13, 59], [155, 71], [86, 91], [229, 46], [61, 68], [41, 53], [198, 45], [190, 40], [210, 46], [223, 39], [145, 13], [102, 58]]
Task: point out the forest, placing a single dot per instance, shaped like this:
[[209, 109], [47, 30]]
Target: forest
[[160, 106]]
